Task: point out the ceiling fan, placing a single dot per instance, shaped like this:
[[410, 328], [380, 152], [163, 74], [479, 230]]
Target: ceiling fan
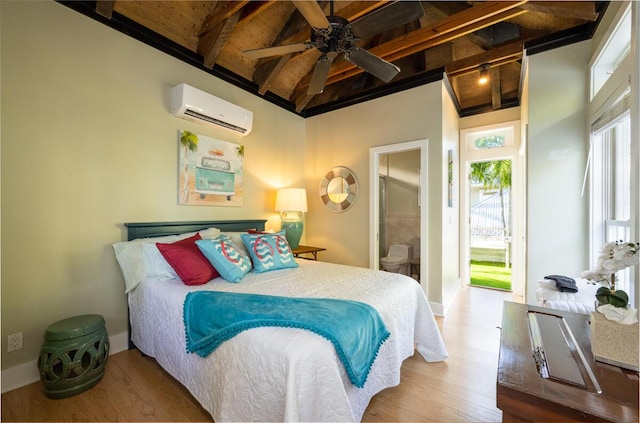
[[333, 35]]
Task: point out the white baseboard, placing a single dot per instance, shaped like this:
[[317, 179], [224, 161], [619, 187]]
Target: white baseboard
[[437, 308], [440, 309], [28, 373]]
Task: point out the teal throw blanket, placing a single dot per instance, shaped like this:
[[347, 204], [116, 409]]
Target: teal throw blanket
[[355, 329]]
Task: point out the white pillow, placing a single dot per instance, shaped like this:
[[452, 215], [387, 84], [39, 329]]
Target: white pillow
[[210, 233], [138, 260], [156, 265]]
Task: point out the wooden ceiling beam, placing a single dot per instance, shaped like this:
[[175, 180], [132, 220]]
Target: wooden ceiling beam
[[477, 17], [223, 12], [212, 43], [358, 9], [253, 9], [495, 57], [105, 8], [436, 13], [585, 10], [267, 73], [496, 89]]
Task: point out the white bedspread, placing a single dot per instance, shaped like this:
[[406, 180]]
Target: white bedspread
[[285, 374]]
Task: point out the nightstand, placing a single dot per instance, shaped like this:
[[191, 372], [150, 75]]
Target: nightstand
[[305, 249]]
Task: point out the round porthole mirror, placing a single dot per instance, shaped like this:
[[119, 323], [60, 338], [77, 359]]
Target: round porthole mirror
[[338, 189]]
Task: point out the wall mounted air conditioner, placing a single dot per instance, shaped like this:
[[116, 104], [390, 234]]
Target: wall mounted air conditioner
[[201, 107]]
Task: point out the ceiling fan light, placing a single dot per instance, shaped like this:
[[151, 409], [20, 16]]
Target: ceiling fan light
[[483, 77]]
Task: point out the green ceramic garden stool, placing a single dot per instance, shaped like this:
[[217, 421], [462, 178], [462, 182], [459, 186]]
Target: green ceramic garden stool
[[73, 356]]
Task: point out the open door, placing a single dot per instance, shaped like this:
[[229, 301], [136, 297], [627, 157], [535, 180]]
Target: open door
[[492, 207]]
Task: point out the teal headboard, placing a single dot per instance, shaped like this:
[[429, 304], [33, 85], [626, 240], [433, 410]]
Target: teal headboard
[[152, 229]]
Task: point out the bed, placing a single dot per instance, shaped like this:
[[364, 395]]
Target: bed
[[276, 373]]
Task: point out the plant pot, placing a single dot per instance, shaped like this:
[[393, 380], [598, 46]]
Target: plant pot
[[614, 343]]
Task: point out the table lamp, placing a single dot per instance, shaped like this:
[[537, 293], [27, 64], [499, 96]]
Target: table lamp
[[292, 203]]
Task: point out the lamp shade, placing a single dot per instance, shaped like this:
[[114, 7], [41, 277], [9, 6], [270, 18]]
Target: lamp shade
[[291, 199]]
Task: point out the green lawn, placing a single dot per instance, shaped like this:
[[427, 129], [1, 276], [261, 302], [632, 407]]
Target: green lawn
[[490, 275]]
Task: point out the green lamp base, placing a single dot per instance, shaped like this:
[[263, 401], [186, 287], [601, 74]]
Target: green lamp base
[[293, 232]]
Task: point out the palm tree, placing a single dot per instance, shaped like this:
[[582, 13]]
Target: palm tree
[[189, 141], [495, 175]]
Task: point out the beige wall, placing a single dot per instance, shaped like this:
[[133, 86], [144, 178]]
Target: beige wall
[[557, 146], [343, 138], [88, 144]]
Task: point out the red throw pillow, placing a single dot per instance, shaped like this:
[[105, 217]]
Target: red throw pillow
[[188, 261]]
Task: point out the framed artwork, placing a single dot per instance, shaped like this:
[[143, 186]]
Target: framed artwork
[[209, 171]]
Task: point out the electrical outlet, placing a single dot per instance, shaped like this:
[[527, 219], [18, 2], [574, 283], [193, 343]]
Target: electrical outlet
[[14, 342]]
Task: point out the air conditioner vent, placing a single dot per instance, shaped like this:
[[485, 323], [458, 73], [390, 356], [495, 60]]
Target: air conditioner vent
[[215, 121], [198, 106]]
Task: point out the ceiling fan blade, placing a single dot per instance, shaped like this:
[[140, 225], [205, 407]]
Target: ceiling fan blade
[[320, 73], [312, 12], [276, 51], [386, 18], [372, 64]]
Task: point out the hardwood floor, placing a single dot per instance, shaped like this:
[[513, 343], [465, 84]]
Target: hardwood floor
[[460, 389]]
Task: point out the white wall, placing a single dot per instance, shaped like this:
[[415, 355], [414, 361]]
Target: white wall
[[450, 217], [557, 152], [88, 144]]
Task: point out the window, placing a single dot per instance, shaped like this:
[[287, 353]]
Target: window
[[494, 138], [611, 183], [491, 141], [613, 53], [612, 190]]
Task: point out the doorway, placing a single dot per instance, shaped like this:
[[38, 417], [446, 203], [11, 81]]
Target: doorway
[[377, 193], [492, 207], [490, 225]]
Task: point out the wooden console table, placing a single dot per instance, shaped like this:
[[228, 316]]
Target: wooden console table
[[305, 249], [608, 393]]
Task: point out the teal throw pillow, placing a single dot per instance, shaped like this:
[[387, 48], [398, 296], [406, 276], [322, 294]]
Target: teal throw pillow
[[226, 257], [269, 251]]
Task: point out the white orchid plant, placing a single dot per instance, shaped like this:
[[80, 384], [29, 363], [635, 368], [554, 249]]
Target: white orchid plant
[[614, 256]]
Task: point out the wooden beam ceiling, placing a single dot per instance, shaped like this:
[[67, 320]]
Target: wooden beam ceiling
[[455, 35], [477, 17]]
